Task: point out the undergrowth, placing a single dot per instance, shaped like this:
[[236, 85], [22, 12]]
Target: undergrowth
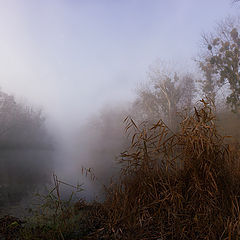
[[183, 185]]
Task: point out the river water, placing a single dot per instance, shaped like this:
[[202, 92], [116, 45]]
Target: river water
[[22, 174]]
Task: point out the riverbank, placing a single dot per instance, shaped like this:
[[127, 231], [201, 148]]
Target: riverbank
[[184, 185]]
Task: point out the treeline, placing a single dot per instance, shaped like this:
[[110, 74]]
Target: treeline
[[25, 149], [21, 126]]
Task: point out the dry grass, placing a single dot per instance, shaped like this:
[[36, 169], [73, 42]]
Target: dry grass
[[174, 186]]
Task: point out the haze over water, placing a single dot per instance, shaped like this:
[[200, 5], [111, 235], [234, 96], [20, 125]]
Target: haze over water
[[74, 58]]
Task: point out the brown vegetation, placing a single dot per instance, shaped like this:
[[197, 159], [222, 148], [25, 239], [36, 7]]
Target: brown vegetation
[[175, 186]]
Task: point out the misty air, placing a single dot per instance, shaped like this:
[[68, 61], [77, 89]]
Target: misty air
[[119, 119]]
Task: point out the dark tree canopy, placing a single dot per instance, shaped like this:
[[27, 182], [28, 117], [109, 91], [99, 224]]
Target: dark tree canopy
[[21, 125]]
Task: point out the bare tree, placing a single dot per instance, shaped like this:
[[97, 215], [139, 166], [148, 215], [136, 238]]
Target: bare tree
[[166, 94]]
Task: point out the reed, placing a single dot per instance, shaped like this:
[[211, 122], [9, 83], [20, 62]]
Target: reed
[[183, 185]]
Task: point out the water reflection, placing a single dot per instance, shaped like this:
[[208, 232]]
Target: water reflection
[[22, 173]]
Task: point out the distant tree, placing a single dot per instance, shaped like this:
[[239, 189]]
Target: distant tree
[[164, 96], [188, 91], [100, 142], [24, 144], [208, 83], [20, 125]]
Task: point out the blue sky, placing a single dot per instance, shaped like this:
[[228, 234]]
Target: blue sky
[[73, 56]]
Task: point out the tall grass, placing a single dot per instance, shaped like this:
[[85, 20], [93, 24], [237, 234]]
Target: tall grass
[[183, 185]]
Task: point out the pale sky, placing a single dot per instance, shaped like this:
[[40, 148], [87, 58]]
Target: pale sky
[[72, 56]]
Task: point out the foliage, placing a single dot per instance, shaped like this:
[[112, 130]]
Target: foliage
[[221, 63]]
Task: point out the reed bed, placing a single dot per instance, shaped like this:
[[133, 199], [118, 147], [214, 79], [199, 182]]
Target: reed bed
[[183, 185]]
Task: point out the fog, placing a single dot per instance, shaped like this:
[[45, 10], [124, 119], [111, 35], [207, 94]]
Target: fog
[[81, 62]]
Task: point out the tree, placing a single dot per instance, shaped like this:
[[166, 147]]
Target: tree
[[166, 94], [21, 125], [208, 83], [221, 62], [24, 139]]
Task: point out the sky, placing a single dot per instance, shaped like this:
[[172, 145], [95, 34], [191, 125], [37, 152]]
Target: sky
[[71, 57]]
